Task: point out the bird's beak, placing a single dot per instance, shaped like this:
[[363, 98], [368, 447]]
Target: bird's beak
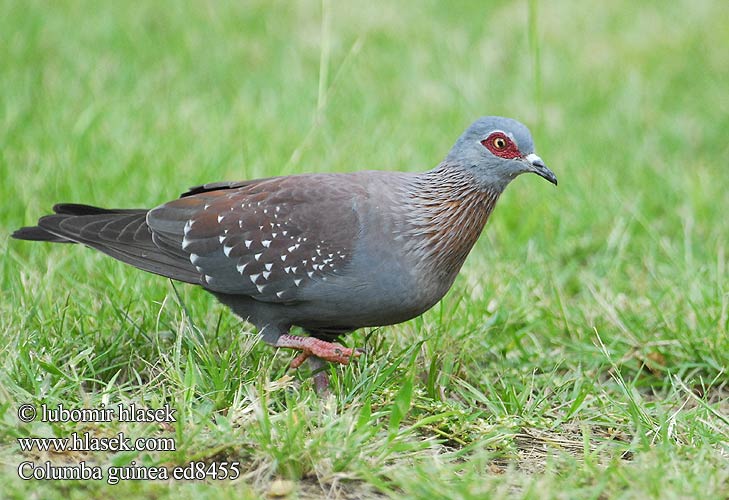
[[537, 166]]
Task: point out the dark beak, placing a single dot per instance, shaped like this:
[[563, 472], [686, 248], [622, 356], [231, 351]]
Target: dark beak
[[538, 167]]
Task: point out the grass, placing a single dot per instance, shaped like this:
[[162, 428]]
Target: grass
[[583, 350]]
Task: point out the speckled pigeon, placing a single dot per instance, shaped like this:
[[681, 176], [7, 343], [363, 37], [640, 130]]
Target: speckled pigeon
[[330, 253]]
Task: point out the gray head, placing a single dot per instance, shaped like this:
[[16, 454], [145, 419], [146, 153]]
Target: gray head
[[496, 150]]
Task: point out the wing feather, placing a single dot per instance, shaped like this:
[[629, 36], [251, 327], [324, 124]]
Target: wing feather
[[266, 239]]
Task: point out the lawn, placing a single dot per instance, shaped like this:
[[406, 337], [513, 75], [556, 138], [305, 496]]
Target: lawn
[[583, 350]]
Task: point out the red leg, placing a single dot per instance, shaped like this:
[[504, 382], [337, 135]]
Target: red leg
[[328, 351]]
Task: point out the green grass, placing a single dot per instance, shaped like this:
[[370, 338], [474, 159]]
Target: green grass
[[583, 350]]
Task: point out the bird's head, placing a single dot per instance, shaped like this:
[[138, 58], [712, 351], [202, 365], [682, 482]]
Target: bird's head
[[496, 150]]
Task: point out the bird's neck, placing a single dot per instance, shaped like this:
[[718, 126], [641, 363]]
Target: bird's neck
[[447, 212]]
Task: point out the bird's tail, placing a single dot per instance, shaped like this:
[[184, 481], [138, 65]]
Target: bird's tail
[[120, 233], [49, 227]]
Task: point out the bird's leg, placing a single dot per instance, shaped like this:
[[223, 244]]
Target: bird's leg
[[321, 377], [313, 350], [318, 369], [311, 346]]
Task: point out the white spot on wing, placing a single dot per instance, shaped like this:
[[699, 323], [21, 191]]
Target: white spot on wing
[[266, 243], [241, 267], [254, 277], [185, 241], [269, 266]]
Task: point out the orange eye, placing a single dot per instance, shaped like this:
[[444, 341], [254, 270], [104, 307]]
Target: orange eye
[[499, 143]]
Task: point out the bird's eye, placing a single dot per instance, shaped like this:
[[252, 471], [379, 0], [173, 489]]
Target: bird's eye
[[501, 145]]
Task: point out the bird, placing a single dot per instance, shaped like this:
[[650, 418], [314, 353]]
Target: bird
[[329, 253]]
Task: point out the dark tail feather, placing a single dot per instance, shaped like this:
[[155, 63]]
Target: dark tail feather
[[35, 233], [120, 233], [78, 209]]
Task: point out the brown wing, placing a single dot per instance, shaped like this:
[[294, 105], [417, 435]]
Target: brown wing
[[267, 239]]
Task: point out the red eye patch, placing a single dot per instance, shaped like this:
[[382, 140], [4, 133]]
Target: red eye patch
[[501, 145]]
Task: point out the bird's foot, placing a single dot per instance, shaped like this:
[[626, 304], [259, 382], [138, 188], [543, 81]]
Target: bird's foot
[[311, 346]]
